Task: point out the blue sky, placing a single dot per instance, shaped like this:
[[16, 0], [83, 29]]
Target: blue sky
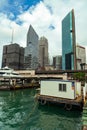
[[45, 16], [16, 7]]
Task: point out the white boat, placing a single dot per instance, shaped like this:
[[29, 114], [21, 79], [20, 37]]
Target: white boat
[[8, 72]]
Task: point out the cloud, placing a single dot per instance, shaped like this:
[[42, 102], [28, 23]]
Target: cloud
[[45, 23], [6, 27], [45, 17]]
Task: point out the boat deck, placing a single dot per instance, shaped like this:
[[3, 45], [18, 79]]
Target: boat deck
[[76, 101]]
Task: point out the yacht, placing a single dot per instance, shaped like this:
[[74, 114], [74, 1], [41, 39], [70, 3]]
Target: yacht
[[8, 72]]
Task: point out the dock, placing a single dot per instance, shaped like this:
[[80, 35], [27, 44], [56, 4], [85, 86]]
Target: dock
[[68, 103], [14, 84]]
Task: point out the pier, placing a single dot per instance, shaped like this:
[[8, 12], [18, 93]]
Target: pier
[[68, 103], [26, 79], [18, 83], [31, 78]]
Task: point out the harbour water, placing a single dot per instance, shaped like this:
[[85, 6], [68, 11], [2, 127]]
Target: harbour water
[[20, 111]]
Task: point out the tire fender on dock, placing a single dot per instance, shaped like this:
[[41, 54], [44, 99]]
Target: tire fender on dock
[[68, 106], [42, 102]]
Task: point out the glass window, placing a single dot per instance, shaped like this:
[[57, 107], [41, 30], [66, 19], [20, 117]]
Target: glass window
[[60, 87], [64, 87]]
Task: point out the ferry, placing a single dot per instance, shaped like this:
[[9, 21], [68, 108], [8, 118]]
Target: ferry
[[7, 72]]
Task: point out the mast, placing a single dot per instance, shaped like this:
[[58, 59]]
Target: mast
[[12, 36]]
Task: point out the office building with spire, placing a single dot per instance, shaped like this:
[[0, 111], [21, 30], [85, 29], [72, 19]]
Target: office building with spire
[[69, 42], [31, 50], [43, 52]]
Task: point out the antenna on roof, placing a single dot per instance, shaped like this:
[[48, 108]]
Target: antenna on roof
[[12, 36]]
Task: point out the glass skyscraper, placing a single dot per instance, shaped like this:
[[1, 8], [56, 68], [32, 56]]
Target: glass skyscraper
[[31, 50], [68, 42]]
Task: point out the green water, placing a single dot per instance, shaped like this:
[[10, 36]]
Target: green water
[[20, 111]]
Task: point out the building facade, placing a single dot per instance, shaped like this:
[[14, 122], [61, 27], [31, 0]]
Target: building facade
[[57, 62], [68, 42], [80, 57], [43, 52], [31, 50], [13, 56]]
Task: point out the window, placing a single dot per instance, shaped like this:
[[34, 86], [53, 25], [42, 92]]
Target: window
[[62, 87]]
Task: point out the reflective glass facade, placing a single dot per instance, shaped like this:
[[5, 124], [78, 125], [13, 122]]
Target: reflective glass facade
[[31, 51], [68, 42]]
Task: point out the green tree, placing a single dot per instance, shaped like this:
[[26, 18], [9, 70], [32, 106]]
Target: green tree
[[79, 76]]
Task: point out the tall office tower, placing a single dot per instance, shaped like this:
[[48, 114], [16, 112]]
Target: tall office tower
[[13, 56], [57, 62], [43, 52], [80, 57], [31, 50], [68, 42]]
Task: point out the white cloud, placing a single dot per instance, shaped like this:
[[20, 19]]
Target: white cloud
[[41, 17]]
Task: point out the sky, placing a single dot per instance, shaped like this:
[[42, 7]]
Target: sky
[[45, 16]]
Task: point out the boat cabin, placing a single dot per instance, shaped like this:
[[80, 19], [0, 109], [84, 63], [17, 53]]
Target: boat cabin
[[60, 88], [8, 73]]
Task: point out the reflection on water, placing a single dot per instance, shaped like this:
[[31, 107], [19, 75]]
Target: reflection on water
[[61, 119], [84, 116], [20, 111]]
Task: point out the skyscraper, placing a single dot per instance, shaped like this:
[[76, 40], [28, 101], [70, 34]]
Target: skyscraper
[[31, 50], [13, 56], [43, 51], [68, 42], [57, 62], [80, 57]]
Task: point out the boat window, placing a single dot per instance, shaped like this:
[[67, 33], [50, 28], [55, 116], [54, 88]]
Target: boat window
[[62, 87], [15, 74], [2, 72]]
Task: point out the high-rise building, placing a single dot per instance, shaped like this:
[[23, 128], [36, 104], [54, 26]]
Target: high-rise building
[[80, 57], [43, 52], [31, 50], [13, 56], [68, 42], [57, 62]]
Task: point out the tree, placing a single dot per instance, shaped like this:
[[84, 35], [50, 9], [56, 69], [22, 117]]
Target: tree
[[79, 76]]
